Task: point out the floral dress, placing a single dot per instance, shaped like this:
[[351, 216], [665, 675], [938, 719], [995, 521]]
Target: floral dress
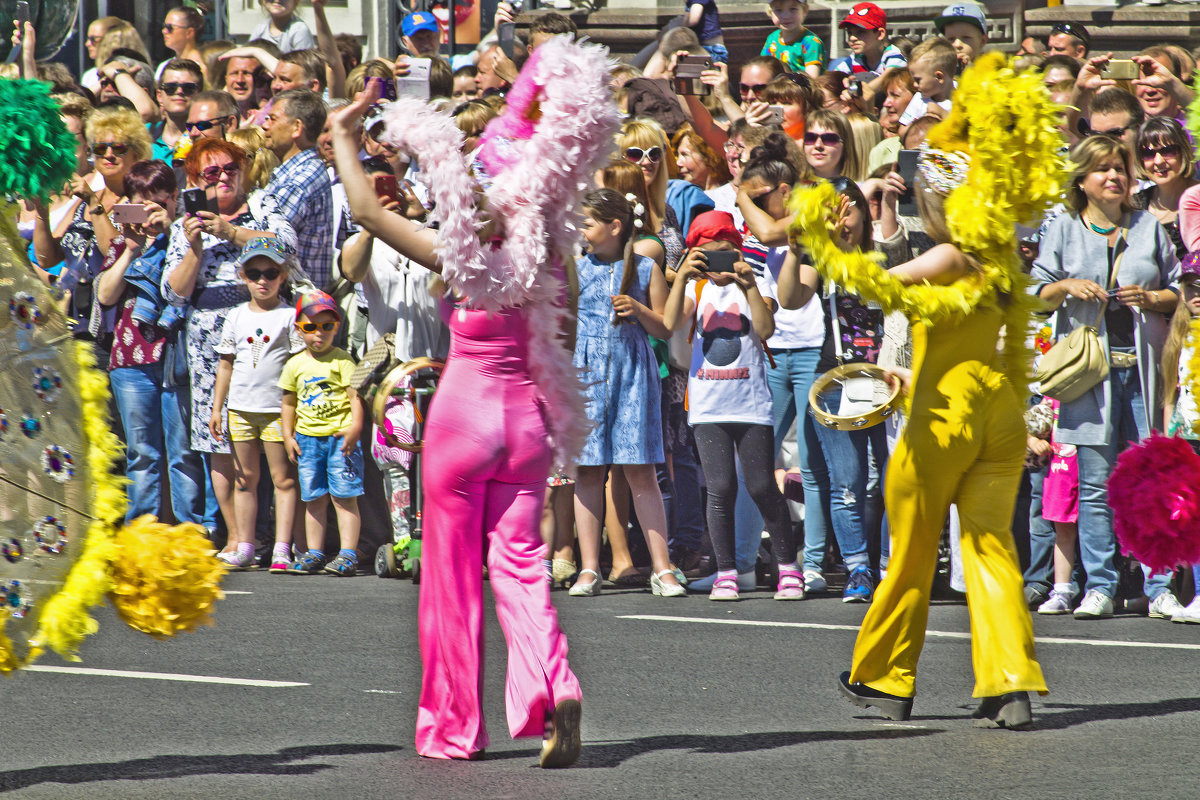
[[218, 289]]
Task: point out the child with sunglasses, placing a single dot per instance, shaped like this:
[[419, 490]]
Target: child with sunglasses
[[256, 341], [322, 425]]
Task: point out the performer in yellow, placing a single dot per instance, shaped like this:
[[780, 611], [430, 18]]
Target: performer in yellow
[[990, 164]]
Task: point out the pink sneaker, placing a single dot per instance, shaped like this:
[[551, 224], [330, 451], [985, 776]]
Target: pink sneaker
[[724, 589], [791, 585]]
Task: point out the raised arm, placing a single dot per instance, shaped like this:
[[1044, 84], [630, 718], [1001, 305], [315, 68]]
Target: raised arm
[[328, 47]]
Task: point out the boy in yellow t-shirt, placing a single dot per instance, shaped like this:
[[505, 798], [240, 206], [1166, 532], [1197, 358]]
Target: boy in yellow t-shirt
[[322, 423]]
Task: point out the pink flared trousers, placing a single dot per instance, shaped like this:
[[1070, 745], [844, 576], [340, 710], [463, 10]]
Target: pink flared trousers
[[486, 459]]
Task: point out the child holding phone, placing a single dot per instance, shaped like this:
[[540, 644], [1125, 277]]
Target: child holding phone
[[621, 298], [729, 401], [256, 341]]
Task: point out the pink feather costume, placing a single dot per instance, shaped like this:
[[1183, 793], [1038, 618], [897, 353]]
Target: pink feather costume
[[509, 400]]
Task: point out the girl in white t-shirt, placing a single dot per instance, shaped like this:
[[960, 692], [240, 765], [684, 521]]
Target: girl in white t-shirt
[[258, 338], [729, 402]]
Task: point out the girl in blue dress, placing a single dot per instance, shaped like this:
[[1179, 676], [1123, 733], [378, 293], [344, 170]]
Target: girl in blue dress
[[621, 298]]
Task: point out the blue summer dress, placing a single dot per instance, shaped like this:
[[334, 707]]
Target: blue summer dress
[[618, 369]]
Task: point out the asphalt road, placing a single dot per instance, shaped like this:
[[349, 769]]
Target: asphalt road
[[682, 698]]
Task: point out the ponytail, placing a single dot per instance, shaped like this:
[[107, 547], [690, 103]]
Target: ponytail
[[606, 205]]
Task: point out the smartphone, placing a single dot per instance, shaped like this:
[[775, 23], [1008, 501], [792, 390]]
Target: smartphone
[[687, 75], [416, 83], [1120, 69], [776, 117], [387, 89], [907, 167], [854, 88], [130, 213], [386, 186], [506, 34], [721, 260], [22, 16], [195, 201]]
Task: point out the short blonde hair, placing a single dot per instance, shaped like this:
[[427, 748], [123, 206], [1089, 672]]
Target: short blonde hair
[[940, 54], [114, 124], [1086, 157], [261, 161]]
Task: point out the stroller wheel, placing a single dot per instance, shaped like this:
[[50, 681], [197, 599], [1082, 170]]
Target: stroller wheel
[[416, 570], [385, 562]]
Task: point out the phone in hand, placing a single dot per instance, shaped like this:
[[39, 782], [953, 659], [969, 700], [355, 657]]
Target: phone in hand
[[130, 213], [776, 117], [195, 201], [22, 14], [387, 89], [387, 187], [906, 165], [1120, 69], [721, 260], [506, 34], [687, 75]]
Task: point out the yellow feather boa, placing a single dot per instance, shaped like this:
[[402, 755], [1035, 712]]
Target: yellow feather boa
[[1005, 121]]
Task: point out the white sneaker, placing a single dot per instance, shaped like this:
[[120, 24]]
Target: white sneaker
[[1056, 604], [1165, 606], [1190, 612], [1095, 605], [814, 581]]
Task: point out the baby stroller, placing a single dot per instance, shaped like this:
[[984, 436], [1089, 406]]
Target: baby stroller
[[399, 410]]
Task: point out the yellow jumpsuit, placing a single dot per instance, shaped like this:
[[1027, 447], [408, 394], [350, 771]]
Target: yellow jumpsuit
[[964, 443]]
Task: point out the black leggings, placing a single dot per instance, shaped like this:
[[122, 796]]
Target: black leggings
[[756, 448]]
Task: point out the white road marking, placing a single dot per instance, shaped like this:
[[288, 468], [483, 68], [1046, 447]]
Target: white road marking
[[381, 691], [165, 676], [228, 592], [928, 634]]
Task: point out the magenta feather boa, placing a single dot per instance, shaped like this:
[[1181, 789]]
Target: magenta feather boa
[[539, 169], [1154, 492]]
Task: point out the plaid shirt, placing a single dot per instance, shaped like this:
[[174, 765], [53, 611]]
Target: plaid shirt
[[300, 191]]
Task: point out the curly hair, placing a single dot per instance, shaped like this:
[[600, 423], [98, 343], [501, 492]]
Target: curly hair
[[704, 151], [113, 124]]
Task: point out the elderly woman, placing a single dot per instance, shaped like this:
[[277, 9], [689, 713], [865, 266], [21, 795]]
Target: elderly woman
[[117, 139], [1107, 265], [201, 274], [1165, 157]]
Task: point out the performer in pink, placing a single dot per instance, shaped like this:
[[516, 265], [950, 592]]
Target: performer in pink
[[509, 406]]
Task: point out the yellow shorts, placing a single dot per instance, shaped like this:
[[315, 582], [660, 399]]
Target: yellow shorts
[[250, 426]]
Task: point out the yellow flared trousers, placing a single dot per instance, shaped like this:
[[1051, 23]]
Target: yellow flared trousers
[[964, 444]]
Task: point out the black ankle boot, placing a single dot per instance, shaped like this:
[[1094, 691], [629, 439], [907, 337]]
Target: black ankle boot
[[892, 706], [1004, 711]]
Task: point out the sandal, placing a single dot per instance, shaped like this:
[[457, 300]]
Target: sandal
[[660, 588], [791, 585], [724, 589], [560, 571], [586, 589]]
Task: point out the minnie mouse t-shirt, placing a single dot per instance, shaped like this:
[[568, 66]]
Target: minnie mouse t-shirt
[[728, 377]]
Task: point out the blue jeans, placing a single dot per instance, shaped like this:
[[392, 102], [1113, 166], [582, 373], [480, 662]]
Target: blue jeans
[[1040, 571], [848, 455], [685, 513], [1097, 544], [157, 427]]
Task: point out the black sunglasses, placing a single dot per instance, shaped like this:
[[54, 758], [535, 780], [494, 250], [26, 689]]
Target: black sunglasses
[[827, 139], [1166, 151], [747, 88], [169, 28], [254, 275], [1078, 31], [636, 154], [118, 148], [312, 327], [1086, 130], [206, 124], [188, 88]]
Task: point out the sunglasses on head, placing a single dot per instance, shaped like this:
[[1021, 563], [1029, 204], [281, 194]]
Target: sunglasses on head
[[827, 139], [1166, 151], [188, 88], [636, 154], [213, 174], [206, 124], [254, 275], [312, 327], [118, 148], [1072, 30]]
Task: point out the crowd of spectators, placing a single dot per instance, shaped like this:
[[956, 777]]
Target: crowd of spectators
[[224, 152]]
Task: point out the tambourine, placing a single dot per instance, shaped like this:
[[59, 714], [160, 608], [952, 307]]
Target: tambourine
[[886, 391], [401, 381]]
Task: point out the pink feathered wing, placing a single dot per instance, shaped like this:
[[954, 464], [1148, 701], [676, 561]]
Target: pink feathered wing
[[1154, 492], [540, 168]]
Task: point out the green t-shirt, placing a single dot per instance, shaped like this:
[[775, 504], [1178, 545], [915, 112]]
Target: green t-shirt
[[320, 384], [806, 51]]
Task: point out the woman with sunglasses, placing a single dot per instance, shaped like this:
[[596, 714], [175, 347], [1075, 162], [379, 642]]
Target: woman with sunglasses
[[643, 142], [90, 79], [1165, 156], [201, 275], [829, 145], [117, 139]]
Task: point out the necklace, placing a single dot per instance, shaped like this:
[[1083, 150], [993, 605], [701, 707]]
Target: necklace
[[1099, 230]]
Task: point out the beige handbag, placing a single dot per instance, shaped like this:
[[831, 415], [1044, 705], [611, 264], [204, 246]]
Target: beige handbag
[[1080, 361]]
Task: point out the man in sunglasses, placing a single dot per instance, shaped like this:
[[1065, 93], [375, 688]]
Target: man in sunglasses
[[300, 189], [181, 28], [211, 115], [181, 81], [126, 77], [1069, 39]]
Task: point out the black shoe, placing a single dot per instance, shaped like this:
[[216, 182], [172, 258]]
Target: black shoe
[[1004, 711], [891, 706]]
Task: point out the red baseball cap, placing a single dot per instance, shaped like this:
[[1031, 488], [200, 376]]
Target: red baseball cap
[[867, 16], [713, 226]]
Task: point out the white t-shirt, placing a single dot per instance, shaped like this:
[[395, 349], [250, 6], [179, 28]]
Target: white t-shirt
[[260, 343], [398, 301], [727, 381], [794, 327], [724, 198], [917, 106]]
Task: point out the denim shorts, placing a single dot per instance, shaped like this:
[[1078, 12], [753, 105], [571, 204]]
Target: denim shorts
[[324, 470], [718, 52]]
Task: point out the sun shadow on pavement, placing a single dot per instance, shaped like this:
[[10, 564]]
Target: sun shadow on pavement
[[605, 755], [282, 762], [1057, 716]]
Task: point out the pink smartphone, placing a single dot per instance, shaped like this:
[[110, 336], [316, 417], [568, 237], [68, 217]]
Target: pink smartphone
[[130, 214]]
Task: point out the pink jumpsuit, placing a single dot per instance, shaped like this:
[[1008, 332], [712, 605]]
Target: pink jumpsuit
[[486, 459]]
